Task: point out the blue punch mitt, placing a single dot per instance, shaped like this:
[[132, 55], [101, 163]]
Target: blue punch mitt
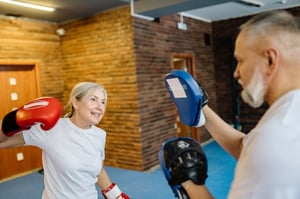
[[182, 159], [188, 96]]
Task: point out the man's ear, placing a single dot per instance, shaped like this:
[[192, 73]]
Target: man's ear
[[273, 60]]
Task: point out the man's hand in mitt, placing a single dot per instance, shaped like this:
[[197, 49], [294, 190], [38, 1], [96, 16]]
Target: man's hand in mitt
[[182, 159], [188, 97]]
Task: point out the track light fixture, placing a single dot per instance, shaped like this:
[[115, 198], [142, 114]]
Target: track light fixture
[[29, 5], [253, 2]]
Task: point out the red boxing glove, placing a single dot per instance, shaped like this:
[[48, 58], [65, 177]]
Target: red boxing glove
[[44, 110], [113, 192]]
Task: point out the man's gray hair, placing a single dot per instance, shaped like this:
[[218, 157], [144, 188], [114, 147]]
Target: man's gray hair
[[272, 22]]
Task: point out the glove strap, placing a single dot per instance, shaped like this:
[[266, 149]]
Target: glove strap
[[112, 192], [182, 194]]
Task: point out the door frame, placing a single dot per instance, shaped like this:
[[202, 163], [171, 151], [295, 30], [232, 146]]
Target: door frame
[[26, 62], [191, 68], [11, 152]]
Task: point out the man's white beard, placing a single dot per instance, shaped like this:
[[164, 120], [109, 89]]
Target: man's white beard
[[254, 93]]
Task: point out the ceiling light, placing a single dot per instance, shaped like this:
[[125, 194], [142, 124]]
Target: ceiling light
[[181, 25], [28, 5]]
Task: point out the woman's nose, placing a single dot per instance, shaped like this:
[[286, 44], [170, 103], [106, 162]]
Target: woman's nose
[[101, 105]]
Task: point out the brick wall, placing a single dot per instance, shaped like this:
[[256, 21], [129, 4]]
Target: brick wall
[[130, 57], [28, 40], [224, 33], [230, 103], [100, 49], [154, 43]]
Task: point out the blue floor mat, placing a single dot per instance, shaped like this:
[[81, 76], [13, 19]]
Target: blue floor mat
[[138, 185]]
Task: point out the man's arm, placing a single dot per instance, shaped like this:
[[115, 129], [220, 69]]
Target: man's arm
[[196, 191], [191, 101], [228, 137]]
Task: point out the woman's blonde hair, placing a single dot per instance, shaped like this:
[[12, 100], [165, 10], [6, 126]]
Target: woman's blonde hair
[[80, 90]]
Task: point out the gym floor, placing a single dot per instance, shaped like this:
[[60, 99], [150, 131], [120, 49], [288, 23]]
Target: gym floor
[[138, 185]]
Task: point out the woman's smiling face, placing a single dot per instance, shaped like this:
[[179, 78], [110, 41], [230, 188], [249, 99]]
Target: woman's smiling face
[[90, 109]]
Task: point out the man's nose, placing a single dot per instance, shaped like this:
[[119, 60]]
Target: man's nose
[[236, 73]]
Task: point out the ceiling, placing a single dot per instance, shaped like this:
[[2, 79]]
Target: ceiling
[[206, 10]]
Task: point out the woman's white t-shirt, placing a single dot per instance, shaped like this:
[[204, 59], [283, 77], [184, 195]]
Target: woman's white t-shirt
[[72, 159]]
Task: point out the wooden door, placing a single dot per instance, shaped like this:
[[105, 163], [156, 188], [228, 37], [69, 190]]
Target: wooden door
[[185, 62], [18, 85]]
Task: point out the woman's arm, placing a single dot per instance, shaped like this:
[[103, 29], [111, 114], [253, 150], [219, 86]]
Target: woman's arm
[[3, 137], [109, 189], [13, 141], [103, 180]]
